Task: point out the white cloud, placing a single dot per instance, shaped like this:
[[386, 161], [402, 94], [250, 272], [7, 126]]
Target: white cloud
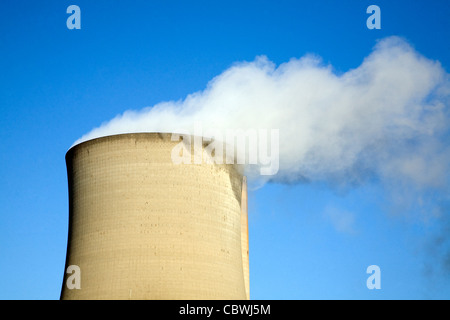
[[387, 118], [342, 220]]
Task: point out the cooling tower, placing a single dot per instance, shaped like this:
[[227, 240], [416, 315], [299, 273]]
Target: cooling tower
[[142, 227]]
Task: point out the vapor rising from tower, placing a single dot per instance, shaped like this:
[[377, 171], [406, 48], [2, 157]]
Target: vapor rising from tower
[[387, 118], [142, 227]]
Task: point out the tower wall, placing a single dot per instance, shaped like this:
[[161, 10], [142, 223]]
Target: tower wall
[[142, 227]]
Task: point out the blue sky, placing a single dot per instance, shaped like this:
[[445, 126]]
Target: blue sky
[[307, 240]]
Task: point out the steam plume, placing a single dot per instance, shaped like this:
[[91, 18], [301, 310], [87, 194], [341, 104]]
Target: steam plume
[[388, 118]]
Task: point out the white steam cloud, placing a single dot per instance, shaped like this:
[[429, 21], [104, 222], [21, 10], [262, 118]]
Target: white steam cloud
[[387, 119]]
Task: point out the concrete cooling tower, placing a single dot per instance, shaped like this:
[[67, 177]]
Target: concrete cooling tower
[[142, 227]]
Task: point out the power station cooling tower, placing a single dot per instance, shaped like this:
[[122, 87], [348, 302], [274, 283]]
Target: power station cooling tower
[[142, 227]]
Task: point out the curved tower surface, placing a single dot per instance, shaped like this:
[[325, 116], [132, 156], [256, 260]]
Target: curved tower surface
[[244, 237], [142, 227]]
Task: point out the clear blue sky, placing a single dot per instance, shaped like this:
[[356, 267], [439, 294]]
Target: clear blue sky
[[57, 84]]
